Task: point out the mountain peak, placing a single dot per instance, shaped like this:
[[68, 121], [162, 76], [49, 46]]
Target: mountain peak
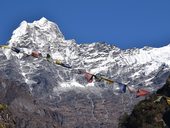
[[38, 33], [43, 20]]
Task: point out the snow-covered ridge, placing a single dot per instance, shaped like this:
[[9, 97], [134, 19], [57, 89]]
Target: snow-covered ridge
[[136, 67]]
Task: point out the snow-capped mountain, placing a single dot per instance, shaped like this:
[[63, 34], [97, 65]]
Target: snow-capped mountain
[[146, 67], [136, 67]]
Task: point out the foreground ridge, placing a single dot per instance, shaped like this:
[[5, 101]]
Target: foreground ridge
[[151, 112]]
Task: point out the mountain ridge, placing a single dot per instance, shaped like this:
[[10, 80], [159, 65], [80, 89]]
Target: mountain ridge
[[64, 90], [96, 57]]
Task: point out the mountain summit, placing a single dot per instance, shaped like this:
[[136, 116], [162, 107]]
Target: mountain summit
[[61, 88]]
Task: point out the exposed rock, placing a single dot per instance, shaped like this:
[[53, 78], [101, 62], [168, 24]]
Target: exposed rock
[[79, 109]]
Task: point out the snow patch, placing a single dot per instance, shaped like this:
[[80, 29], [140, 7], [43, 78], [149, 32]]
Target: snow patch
[[7, 53], [71, 84]]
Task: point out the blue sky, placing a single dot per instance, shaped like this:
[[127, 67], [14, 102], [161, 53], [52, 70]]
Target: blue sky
[[124, 23]]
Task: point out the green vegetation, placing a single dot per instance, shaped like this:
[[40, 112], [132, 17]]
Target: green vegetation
[[4, 116], [3, 107], [2, 125]]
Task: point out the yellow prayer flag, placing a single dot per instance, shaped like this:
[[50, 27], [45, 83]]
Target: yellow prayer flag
[[5, 46], [58, 62], [168, 100], [108, 80]]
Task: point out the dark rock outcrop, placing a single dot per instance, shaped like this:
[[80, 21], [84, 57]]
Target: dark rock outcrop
[[148, 114]]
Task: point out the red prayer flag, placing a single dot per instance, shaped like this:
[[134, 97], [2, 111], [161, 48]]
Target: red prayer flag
[[36, 54], [142, 92], [89, 77]]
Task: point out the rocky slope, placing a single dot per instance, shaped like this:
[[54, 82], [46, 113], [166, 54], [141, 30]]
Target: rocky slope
[[74, 108], [42, 94]]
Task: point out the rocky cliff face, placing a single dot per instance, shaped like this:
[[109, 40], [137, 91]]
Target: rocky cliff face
[[74, 108], [43, 94]]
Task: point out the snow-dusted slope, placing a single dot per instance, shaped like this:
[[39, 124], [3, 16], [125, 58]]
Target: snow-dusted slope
[[147, 67]]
